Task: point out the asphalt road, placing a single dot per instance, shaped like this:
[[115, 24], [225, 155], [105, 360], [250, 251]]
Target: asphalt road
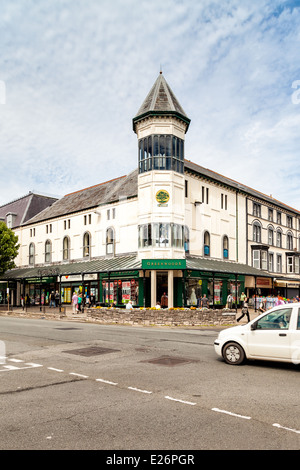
[[71, 385]]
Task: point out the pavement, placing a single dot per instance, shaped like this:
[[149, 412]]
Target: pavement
[[66, 313]]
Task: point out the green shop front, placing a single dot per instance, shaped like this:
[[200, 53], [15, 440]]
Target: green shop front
[[118, 280]]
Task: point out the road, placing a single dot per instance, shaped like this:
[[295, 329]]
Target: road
[[72, 385]]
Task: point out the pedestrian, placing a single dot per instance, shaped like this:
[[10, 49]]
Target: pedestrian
[[56, 298], [242, 298], [75, 302], [164, 301], [92, 300], [245, 311], [229, 301], [52, 299], [157, 306], [22, 302], [79, 302], [204, 301], [129, 305]]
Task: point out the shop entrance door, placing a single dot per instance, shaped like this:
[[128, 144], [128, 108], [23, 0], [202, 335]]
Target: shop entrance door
[[161, 284]]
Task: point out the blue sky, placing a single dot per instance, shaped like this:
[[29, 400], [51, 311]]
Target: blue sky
[[73, 73]]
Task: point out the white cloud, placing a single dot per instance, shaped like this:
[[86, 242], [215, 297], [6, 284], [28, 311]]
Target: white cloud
[[77, 72]]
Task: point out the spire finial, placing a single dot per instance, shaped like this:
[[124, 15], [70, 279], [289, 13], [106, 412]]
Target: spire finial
[[160, 70]]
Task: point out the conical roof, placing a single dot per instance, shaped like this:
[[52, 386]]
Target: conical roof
[[161, 100]]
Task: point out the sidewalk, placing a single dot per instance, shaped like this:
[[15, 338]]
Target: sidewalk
[[66, 313]]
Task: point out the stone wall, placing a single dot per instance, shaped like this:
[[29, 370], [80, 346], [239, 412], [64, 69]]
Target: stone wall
[[172, 317]]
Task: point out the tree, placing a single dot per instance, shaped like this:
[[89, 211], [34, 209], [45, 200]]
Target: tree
[[9, 248]]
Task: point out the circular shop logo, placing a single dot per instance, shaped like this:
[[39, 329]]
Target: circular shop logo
[[162, 196]]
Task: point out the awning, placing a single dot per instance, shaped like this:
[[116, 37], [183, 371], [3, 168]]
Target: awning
[[228, 267], [122, 263], [129, 263]]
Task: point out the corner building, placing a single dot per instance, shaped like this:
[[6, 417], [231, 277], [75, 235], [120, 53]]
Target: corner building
[[170, 226]]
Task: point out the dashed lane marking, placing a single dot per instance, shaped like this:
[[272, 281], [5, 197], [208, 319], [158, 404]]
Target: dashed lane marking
[[230, 413]]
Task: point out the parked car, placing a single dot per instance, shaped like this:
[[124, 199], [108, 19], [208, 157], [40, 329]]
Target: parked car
[[273, 335]]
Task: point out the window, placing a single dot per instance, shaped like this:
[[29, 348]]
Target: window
[[48, 251], [270, 236], [289, 221], [256, 209], [279, 319], [110, 241], [224, 201], [279, 264], [292, 264], [256, 259], [114, 213], [161, 152], [225, 247], [205, 193], [256, 232], [279, 218], [86, 244], [271, 262], [186, 242], [31, 253], [289, 241], [186, 188], [260, 259], [66, 248], [108, 214], [206, 244], [270, 215], [264, 260], [279, 238]]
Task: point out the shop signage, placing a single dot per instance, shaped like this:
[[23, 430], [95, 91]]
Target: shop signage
[[78, 277], [163, 264], [162, 196]]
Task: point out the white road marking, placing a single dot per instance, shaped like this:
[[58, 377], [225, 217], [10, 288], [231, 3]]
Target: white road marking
[[106, 382], [79, 375], [276, 425], [15, 360], [180, 401], [139, 390], [230, 413], [56, 370]]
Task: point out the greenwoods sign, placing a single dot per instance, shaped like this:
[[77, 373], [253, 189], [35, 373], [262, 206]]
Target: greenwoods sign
[[163, 264]]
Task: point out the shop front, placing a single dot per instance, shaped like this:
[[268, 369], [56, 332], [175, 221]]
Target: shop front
[[216, 287]]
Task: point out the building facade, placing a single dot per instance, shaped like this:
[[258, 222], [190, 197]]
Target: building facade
[[170, 226]]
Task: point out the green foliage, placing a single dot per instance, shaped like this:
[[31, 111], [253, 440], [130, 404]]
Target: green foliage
[[9, 248]]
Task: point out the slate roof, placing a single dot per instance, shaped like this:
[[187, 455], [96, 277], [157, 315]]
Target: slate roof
[[92, 197], [26, 207], [160, 100]]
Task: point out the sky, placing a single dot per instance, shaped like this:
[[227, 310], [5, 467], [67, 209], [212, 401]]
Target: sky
[[73, 74]]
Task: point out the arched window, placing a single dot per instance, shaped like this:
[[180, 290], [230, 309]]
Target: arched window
[[206, 244], [66, 248], [225, 247], [48, 251], [279, 238], [256, 232], [270, 235], [31, 253], [110, 241], [86, 245], [289, 241]]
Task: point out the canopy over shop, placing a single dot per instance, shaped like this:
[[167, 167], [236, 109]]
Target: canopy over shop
[[120, 279]]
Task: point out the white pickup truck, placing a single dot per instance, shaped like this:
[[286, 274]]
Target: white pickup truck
[[273, 335]]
